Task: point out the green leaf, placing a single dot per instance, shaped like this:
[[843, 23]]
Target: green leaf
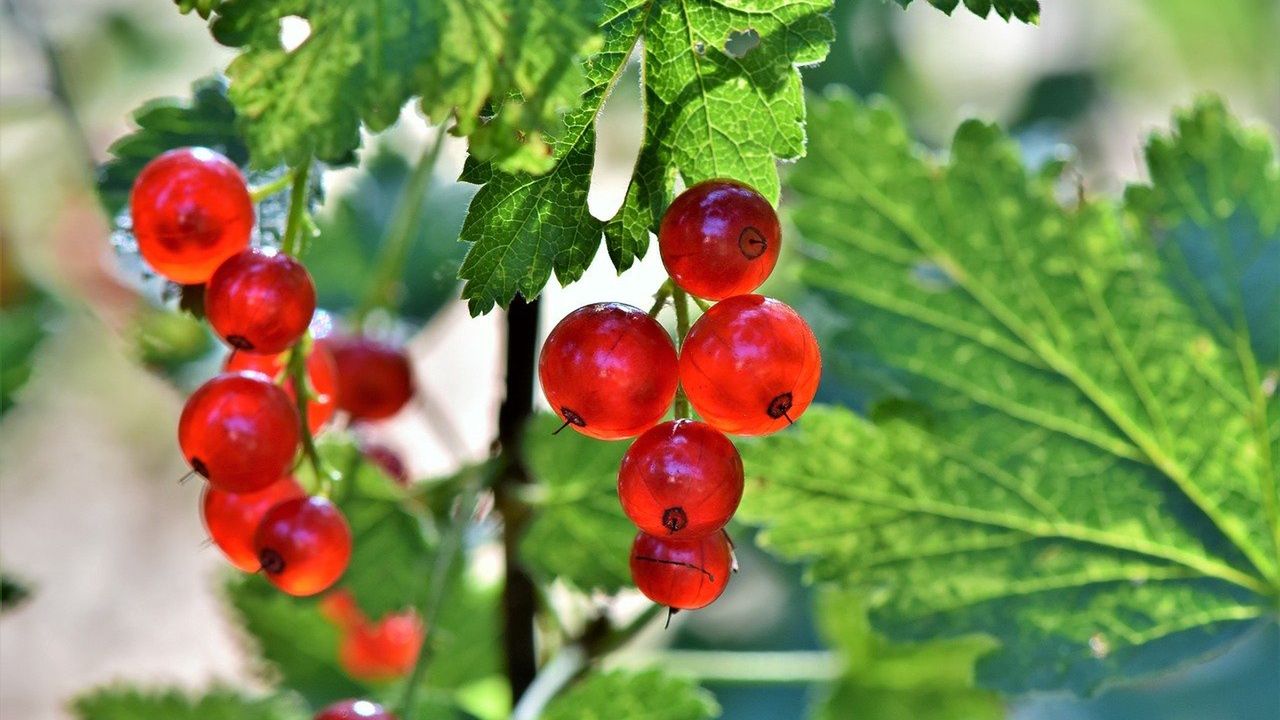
[[24, 322], [297, 645], [119, 703], [1080, 471], [709, 113], [13, 591], [207, 119], [506, 68], [648, 695], [1024, 10], [1213, 210], [889, 681], [354, 222], [579, 534]]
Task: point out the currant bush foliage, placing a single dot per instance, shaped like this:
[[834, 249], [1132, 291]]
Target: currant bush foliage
[[216, 704], [648, 695], [1025, 10], [1065, 457]]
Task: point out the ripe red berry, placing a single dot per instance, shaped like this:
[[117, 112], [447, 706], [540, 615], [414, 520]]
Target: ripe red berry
[[609, 370], [680, 480], [375, 380], [303, 545], [321, 374], [260, 300], [719, 238], [191, 210], [232, 519], [385, 650], [240, 431], [750, 365], [355, 710], [339, 607], [682, 575]]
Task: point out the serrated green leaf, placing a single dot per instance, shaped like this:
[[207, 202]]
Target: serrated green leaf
[[506, 69], [709, 113], [579, 534], [1213, 210], [648, 695], [1082, 475], [888, 681], [297, 645], [111, 703], [1024, 10], [207, 119]]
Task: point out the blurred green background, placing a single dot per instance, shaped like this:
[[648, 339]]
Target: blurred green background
[[105, 542]]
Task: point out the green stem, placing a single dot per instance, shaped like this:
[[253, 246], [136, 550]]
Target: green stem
[[660, 298], [295, 222], [303, 394], [394, 251], [681, 299], [450, 546], [262, 192], [702, 304]]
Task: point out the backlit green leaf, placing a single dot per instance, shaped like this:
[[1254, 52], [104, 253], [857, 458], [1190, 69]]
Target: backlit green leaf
[[217, 704], [648, 695]]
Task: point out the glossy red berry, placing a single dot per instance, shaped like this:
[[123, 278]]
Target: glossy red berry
[[383, 650], [303, 545], [719, 238], [322, 374], [260, 300], [375, 380], [750, 365], [239, 431], [339, 607], [355, 710], [682, 575], [680, 480], [232, 519], [609, 370], [191, 210]]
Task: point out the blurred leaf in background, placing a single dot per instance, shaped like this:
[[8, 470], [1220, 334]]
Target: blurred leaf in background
[[647, 695], [216, 704]]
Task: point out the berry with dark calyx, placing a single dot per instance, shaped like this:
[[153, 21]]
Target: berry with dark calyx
[[191, 211], [321, 374], [375, 379], [232, 519], [680, 480], [719, 238], [609, 370], [382, 650], [355, 710], [750, 365], [683, 575], [239, 431], [303, 545], [260, 300]]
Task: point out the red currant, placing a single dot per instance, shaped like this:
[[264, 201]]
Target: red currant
[[191, 210], [609, 370], [375, 380], [321, 374], [388, 461], [719, 238], [682, 575], [384, 650], [355, 710], [750, 365], [240, 431], [303, 545], [232, 519], [260, 300], [339, 607], [681, 480]]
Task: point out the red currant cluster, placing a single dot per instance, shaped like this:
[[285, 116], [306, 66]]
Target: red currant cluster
[[749, 366], [242, 430]]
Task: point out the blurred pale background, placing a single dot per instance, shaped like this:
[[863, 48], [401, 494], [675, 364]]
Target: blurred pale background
[[91, 515]]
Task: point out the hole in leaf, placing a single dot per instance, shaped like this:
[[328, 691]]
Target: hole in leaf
[[700, 48], [742, 42], [294, 30]]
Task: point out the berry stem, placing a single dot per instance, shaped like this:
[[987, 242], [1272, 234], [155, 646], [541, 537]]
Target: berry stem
[[681, 300], [262, 192], [703, 305], [294, 223], [303, 394], [660, 298], [394, 250]]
